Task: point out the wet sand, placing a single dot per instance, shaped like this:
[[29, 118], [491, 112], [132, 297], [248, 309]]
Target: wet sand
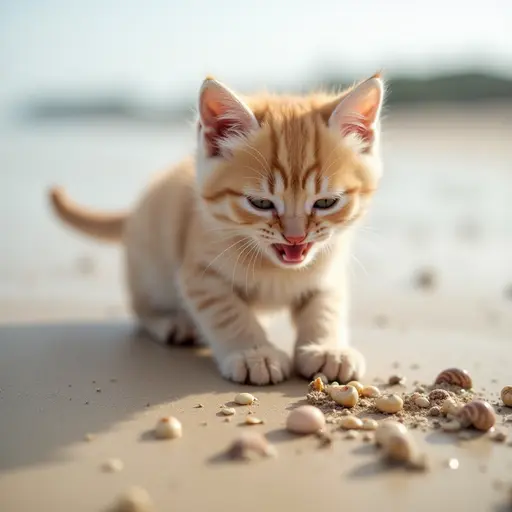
[[71, 362]]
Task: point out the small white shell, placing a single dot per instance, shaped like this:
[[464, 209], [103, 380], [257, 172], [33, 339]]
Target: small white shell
[[422, 402], [389, 404], [347, 396], [400, 448], [350, 423], [135, 499], [245, 399], [371, 392], [306, 419], [506, 396], [168, 428], [228, 411], [388, 428]]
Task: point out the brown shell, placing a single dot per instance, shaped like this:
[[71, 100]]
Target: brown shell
[[455, 376], [479, 414], [506, 395]]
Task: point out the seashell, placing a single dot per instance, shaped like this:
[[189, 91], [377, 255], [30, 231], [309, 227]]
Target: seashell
[[388, 428], [479, 414], [506, 396], [369, 424], [370, 392], [228, 411], [450, 406], [456, 377], [168, 428], [357, 385], [253, 420], [352, 434], [135, 499], [350, 423], [245, 399], [422, 402], [317, 385], [345, 395], [248, 444], [438, 394], [306, 419], [389, 404], [400, 448]]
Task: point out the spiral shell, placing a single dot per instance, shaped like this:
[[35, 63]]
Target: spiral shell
[[456, 377], [506, 396], [479, 414]]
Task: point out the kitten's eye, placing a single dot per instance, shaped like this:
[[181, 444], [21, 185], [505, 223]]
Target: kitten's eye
[[261, 204], [326, 202]]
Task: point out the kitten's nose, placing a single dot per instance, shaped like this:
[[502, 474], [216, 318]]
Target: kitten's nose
[[295, 239]]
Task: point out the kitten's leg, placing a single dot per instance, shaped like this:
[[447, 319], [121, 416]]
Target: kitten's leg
[[322, 339], [173, 326], [238, 341]]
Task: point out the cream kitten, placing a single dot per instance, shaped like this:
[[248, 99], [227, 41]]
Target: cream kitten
[[259, 220]]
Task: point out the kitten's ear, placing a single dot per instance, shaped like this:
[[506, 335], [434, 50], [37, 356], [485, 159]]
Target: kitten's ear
[[359, 111], [224, 118]]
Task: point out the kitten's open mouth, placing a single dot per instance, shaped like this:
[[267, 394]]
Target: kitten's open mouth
[[292, 254]]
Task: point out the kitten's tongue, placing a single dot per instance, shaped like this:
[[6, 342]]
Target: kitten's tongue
[[293, 252]]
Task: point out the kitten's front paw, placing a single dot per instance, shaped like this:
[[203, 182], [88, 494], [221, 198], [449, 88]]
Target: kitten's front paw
[[339, 364], [260, 366]]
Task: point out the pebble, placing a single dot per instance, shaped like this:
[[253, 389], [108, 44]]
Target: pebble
[[322, 377], [135, 499], [228, 411], [499, 436], [389, 404], [400, 448], [438, 394], [168, 428], [422, 402], [113, 465], [350, 423], [370, 392], [450, 406], [249, 444], [89, 437], [352, 434], [425, 279], [317, 384], [345, 395], [305, 419], [368, 437], [245, 399]]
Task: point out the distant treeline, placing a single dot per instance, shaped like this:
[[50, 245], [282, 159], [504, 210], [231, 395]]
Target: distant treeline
[[452, 88]]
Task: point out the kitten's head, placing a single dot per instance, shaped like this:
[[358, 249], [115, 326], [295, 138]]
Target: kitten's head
[[289, 173]]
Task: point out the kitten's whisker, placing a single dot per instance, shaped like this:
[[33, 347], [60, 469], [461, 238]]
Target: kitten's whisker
[[219, 255]]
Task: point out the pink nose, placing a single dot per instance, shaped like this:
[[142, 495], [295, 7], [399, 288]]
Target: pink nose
[[296, 239]]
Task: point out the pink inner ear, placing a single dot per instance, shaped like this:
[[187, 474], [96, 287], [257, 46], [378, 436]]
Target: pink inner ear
[[221, 115]]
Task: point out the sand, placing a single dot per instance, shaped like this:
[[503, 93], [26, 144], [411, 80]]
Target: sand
[[65, 333]]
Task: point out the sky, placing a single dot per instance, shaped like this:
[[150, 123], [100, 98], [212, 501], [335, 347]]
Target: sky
[[161, 48]]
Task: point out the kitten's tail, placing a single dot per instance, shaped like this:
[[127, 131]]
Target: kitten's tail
[[104, 226]]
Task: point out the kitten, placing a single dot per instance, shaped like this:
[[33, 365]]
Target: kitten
[[259, 220]]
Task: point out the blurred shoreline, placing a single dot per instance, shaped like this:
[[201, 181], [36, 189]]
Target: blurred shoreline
[[455, 89]]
